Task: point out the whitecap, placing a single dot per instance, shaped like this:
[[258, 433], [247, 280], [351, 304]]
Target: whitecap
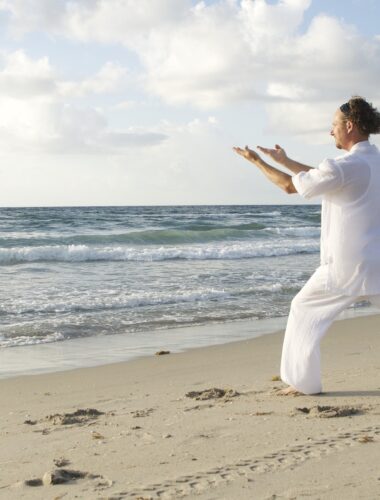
[[88, 253]]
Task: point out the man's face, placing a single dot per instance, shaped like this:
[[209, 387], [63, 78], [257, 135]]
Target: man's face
[[339, 130]]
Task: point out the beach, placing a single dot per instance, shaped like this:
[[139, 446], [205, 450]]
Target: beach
[[182, 182], [203, 423]]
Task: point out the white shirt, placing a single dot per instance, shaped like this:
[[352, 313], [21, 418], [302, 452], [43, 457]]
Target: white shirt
[[350, 229]]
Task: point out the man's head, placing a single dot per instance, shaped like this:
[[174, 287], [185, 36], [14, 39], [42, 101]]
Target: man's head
[[353, 122]]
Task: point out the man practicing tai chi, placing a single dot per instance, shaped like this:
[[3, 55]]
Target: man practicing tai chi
[[350, 237]]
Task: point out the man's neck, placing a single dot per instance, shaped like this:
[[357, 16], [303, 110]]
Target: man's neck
[[355, 141]]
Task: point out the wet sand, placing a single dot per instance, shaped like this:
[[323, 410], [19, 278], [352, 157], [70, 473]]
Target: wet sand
[[204, 423]]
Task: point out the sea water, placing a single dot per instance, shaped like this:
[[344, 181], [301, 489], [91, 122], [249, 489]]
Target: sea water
[[86, 272]]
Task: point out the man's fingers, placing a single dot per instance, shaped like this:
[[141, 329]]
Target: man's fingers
[[264, 150], [238, 150]]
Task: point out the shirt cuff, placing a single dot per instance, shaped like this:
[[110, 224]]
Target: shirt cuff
[[297, 182]]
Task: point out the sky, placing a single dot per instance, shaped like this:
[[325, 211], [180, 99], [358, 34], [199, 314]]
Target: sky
[[139, 102]]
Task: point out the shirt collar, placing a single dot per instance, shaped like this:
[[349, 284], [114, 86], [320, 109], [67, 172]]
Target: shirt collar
[[360, 146]]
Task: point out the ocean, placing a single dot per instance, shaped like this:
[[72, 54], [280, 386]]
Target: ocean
[[91, 272]]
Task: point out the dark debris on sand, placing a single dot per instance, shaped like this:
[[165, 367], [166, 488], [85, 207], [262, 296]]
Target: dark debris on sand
[[213, 393], [329, 411], [61, 462], [58, 476], [81, 416]]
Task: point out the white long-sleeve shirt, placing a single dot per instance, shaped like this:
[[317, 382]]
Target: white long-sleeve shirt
[[350, 228]]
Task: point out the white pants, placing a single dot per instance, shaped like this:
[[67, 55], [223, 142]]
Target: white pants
[[312, 311]]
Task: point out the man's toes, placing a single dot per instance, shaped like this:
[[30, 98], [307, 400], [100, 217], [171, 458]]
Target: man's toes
[[288, 391]]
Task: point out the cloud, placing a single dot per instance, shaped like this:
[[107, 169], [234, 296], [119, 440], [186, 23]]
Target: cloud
[[106, 21], [121, 21], [30, 15], [204, 53], [35, 115], [128, 104], [54, 127], [211, 55], [111, 77], [22, 77], [263, 23]]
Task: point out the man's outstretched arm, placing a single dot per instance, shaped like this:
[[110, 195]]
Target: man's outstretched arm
[[281, 179], [279, 155]]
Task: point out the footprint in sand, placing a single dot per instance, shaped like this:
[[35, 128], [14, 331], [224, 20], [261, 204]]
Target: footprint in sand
[[280, 459]]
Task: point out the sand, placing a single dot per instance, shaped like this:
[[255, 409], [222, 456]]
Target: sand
[[204, 423]]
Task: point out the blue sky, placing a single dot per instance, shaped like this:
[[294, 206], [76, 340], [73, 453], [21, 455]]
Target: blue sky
[[139, 102]]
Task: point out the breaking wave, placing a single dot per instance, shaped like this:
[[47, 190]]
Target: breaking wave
[[88, 253]]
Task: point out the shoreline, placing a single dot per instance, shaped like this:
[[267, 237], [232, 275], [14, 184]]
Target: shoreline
[[88, 352], [101, 350], [130, 429]]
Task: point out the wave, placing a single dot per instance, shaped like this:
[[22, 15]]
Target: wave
[[25, 340], [78, 304], [101, 302], [86, 253], [305, 231], [196, 233], [312, 217]]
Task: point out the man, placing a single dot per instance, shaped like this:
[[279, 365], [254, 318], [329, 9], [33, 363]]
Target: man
[[350, 237]]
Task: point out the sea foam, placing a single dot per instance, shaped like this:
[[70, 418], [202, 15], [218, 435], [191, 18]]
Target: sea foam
[[88, 253]]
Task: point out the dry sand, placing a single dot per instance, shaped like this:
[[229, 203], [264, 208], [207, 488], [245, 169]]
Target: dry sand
[[128, 430]]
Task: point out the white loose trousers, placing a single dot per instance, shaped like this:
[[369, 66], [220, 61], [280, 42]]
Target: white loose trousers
[[312, 311], [350, 257]]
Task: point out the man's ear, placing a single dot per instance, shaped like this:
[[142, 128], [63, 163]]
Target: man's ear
[[349, 126]]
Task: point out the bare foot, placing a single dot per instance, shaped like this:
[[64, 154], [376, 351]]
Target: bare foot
[[289, 391]]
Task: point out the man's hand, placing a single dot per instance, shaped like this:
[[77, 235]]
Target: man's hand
[[248, 154], [281, 179], [277, 154]]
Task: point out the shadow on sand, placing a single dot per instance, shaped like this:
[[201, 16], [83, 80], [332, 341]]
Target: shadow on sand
[[346, 394]]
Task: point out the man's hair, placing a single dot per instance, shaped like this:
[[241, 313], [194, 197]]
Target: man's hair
[[362, 114]]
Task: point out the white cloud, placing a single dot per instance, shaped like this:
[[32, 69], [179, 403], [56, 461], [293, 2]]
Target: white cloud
[[263, 22], [30, 15], [35, 116], [307, 119], [286, 91], [124, 21], [212, 55], [112, 76], [43, 126], [332, 63], [195, 127], [22, 77], [128, 104], [106, 21]]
